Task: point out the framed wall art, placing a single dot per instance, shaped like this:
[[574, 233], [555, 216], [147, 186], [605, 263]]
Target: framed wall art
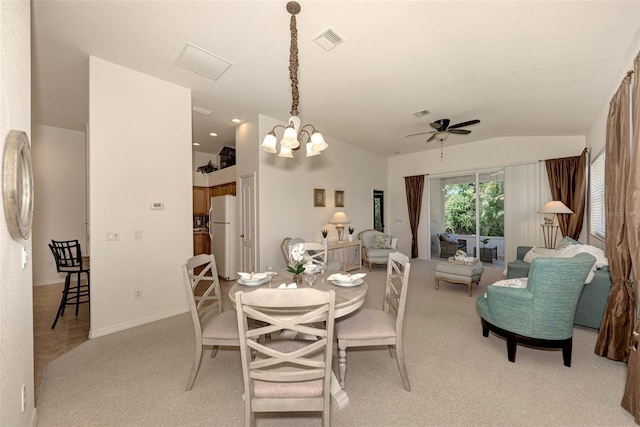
[[318, 198], [339, 199]]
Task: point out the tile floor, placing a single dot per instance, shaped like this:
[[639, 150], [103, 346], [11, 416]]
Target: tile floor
[[70, 331]]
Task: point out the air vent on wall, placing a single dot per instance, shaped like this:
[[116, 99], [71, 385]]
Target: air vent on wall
[[328, 39]]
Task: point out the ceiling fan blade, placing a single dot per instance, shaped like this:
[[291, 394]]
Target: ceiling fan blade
[[460, 131], [463, 124], [420, 133], [431, 138], [440, 124]]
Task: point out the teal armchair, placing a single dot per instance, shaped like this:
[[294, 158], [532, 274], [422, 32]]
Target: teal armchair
[[542, 314]]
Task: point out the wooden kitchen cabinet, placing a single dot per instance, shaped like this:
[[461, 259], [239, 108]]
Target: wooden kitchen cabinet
[[223, 189], [214, 192], [201, 243], [201, 201]]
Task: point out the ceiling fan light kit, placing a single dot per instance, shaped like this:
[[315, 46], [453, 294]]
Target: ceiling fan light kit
[[295, 135]]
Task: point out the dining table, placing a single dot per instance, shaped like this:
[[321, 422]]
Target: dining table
[[348, 299]]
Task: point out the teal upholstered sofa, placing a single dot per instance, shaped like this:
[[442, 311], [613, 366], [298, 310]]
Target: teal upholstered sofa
[[542, 314], [593, 298]]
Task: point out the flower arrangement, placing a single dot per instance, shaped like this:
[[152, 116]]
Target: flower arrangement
[[351, 230], [324, 233], [460, 254], [296, 266]]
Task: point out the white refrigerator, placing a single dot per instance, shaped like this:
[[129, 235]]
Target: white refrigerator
[[222, 229]]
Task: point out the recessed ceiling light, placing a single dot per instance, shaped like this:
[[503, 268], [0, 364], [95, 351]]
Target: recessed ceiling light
[[213, 134], [236, 121], [195, 143]]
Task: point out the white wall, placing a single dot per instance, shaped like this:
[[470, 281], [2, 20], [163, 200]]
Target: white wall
[[59, 159], [16, 295], [286, 192], [474, 156], [140, 152]]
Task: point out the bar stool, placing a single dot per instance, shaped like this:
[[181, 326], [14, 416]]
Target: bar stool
[[69, 259]]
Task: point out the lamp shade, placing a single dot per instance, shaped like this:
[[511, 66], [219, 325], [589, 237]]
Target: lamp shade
[[555, 207], [290, 138], [269, 143], [317, 141], [310, 151], [285, 152], [339, 218]]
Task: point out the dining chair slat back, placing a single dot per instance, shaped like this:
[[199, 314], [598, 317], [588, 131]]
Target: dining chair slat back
[[316, 253], [291, 371], [211, 325]]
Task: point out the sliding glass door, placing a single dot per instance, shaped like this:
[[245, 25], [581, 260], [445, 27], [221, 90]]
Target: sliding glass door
[[467, 213]]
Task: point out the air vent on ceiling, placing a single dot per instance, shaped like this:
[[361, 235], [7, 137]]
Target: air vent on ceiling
[[422, 113], [200, 61], [201, 110], [328, 39]]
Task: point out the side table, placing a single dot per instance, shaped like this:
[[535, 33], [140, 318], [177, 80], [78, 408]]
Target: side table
[[487, 254], [346, 249]]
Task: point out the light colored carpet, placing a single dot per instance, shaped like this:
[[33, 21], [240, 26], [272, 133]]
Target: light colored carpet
[[458, 377]]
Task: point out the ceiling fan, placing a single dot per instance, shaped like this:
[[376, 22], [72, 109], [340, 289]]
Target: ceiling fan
[[443, 129]]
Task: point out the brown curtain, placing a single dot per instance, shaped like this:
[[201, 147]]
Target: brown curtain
[[414, 186], [617, 323], [631, 398], [567, 183]]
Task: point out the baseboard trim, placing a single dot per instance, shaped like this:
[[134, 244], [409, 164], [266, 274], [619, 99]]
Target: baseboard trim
[[58, 281], [95, 333]]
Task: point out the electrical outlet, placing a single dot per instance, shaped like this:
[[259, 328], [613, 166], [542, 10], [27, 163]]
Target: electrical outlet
[[113, 235], [137, 235], [137, 294]]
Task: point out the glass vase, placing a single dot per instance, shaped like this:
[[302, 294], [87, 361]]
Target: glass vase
[[297, 278]]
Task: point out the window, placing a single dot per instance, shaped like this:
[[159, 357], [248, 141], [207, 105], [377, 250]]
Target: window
[[597, 196], [378, 210]]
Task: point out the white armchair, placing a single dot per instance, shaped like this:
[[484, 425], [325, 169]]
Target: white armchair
[[376, 247]]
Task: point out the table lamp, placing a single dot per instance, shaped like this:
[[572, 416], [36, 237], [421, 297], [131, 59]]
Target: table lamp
[[339, 219], [550, 226]]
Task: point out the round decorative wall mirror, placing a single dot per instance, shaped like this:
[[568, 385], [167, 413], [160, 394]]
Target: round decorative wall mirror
[[17, 185]]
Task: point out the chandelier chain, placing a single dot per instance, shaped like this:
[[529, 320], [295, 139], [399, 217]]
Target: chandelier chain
[[293, 66]]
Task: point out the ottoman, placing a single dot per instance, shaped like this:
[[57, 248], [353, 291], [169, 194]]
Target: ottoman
[[464, 274]]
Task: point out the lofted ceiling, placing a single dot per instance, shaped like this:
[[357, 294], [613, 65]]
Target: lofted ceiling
[[524, 68]]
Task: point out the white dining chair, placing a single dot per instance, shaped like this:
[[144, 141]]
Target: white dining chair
[[286, 374], [373, 327], [211, 326], [318, 254]]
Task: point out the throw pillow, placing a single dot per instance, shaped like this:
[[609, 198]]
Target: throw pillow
[[382, 241], [394, 243], [445, 237], [512, 283], [567, 241]]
